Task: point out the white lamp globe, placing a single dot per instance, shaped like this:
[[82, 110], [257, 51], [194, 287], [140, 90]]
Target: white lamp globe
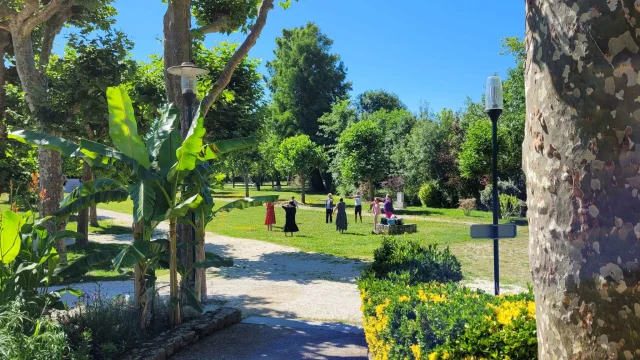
[[494, 97]]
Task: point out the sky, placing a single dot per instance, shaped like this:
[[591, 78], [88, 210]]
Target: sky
[[438, 52]]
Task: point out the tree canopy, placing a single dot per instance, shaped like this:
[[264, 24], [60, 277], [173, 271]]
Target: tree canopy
[[375, 100]]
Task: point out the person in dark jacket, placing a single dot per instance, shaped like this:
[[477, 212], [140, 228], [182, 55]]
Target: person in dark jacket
[[290, 218], [341, 218]]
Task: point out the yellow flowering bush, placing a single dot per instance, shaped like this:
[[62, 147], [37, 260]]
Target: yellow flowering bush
[[407, 319]]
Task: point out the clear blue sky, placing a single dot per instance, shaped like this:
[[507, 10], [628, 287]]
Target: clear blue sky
[[423, 50]]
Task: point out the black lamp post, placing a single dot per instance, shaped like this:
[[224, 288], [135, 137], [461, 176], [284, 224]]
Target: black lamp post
[[189, 73], [493, 107]]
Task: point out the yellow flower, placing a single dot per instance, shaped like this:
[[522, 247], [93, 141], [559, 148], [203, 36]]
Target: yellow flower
[[422, 296], [433, 356], [404, 298], [445, 355], [531, 309], [415, 349]]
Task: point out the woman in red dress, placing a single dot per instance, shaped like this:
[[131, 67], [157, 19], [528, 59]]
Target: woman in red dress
[[271, 216]]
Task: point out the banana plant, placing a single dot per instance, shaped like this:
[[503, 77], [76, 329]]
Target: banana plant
[[155, 171]]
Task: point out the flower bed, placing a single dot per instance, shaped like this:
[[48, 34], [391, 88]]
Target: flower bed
[[406, 319]]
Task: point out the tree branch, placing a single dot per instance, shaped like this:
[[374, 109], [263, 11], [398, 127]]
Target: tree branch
[[43, 15], [51, 29], [6, 11], [215, 27], [4, 26], [241, 53]]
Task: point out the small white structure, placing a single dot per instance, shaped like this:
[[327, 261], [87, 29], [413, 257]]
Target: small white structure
[[400, 204]]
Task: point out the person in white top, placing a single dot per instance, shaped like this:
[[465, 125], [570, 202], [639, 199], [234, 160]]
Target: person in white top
[[358, 203], [329, 208]]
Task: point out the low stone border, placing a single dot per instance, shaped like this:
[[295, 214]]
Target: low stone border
[[170, 342]]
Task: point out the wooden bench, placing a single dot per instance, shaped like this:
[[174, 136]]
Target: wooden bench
[[396, 229]]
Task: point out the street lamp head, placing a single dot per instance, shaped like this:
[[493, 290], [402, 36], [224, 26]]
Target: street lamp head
[[494, 96], [188, 73]]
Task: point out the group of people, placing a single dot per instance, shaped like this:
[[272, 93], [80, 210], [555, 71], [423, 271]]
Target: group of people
[[339, 209]]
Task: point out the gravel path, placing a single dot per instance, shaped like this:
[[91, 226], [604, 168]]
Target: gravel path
[[266, 279]]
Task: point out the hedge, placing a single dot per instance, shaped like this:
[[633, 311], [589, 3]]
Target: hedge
[[407, 319]]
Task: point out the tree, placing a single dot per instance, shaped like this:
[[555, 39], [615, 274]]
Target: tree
[[300, 156], [581, 166], [374, 100], [77, 87], [305, 80], [212, 17], [333, 123], [29, 22], [361, 154]]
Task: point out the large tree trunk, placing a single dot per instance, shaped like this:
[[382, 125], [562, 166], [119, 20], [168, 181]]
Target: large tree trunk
[[93, 216], [4, 43], [93, 211], [83, 215], [201, 274], [582, 164]]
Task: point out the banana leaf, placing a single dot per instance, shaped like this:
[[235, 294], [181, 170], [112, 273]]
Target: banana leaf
[[192, 301], [162, 129], [90, 193], [91, 148], [84, 264], [10, 236], [211, 151], [167, 155], [50, 142], [144, 199], [181, 209], [247, 203], [86, 201], [187, 154], [123, 129]]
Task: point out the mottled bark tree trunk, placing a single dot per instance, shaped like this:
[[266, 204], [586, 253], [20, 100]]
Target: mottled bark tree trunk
[[246, 182], [303, 183], [4, 43], [175, 317], [83, 215], [93, 211], [581, 164]]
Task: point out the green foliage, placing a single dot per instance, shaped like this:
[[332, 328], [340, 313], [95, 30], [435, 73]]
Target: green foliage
[[236, 14], [299, 155], [431, 194], [123, 128], [112, 322], [236, 113], [305, 80], [421, 264], [376, 100], [27, 337], [361, 153], [504, 187], [405, 317], [333, 123], [510, 206]]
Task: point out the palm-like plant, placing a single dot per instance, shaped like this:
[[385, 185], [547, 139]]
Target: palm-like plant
[[151, 173]]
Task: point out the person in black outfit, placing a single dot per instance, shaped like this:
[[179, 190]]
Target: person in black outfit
[[290, 225], [328, 206]]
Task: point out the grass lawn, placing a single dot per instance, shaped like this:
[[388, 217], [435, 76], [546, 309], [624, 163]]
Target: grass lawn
[[476, 256]]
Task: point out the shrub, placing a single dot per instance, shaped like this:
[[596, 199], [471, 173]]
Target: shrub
[[112, 323], [23, 337], [468, 205], [504, 187], [431, 194], [406, 318], [393, 184], [445, 321], [422, 264], [510, 206]]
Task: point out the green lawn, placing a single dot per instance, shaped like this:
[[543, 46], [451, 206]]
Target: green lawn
[[316, 236], [476, 256]]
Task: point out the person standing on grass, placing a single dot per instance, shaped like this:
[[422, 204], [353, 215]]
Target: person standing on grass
[[295, 203], [328, 206], [358, 204], [376, 210], [271, 216], [290, 225], [388, 207], [341, 217]]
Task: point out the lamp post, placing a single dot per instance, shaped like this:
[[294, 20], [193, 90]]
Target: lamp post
[[493, 107], [189, 73]]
